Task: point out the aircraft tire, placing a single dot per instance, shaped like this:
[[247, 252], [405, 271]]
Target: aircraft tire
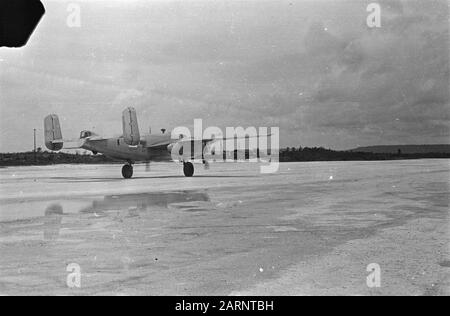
[[127, 171], [188, 169]]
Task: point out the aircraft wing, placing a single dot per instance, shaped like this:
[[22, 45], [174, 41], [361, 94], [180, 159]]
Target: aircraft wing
[[164, 141], [185, 147], [207, 141]]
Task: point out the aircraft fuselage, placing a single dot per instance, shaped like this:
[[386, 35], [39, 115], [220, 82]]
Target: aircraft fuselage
[[117, 148]]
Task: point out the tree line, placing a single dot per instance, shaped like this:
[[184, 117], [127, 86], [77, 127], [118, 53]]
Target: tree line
[[289, 154]]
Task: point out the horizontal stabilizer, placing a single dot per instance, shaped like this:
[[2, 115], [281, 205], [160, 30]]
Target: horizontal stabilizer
[[72, 144]]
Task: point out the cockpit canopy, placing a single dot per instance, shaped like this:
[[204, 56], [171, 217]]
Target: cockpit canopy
[[85, 134]]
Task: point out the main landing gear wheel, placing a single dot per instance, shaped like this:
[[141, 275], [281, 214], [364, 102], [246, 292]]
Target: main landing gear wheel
[[127, 171], [188, 169]]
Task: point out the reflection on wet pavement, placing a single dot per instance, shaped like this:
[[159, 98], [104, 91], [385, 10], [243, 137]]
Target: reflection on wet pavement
[[206, 236], [131, 203], [52, 221], [144, 202]]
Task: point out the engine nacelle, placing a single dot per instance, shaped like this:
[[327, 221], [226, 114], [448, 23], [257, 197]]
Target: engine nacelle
[[176, 151], [186, 150]]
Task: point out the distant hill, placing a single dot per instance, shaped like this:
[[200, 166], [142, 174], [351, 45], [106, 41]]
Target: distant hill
[[405, 149]]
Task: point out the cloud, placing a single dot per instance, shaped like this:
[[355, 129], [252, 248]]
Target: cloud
[[391, 81], [313, 68]]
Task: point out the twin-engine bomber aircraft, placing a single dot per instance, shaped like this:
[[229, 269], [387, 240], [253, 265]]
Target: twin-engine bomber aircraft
[[130, 147]]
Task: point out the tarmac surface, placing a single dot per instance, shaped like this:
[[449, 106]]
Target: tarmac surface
[[310, 229]]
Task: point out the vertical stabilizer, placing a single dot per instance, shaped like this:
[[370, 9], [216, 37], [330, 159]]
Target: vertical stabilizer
[[53, 135], [130, 127]]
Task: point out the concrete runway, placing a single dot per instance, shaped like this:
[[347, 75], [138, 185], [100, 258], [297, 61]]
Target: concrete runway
[[311, 229]]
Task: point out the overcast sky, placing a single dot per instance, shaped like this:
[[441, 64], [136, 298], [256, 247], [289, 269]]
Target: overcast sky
[[313, 68]]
